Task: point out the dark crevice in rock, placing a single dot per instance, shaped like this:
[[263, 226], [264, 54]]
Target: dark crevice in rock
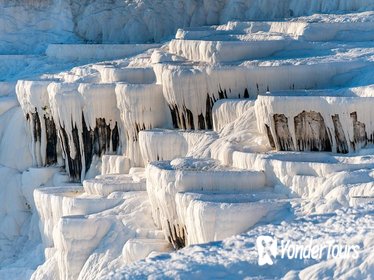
[[115, 138], [208, 112], [98, 141], [37, 128], [222, 93], [102, 137], [88, 144], [270, 136], [359, 132], [174, 115], [183, 117], [311, 132], [283, 133], [189, 117], [201, 121], [74, 164], [341, 141], [177, 236], [246, 93], [51, 134], [184, 123], [138, 127]]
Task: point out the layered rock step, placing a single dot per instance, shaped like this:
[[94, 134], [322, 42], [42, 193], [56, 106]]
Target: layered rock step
[[155, 143], [204, 85], [111, 73], [95, 51], [56, 202], [206, 217], [103, 185], [165, 179], [327, 120], [141, 107], [236, 41], [77, 238], [317, 27], [75, 220], [115, 164]]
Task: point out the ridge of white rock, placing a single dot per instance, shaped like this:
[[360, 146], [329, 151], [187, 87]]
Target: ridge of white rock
[[54, 203], [166, 179], [95, 51], [104, 185], [55, 21], [155, 144], [213, 217]]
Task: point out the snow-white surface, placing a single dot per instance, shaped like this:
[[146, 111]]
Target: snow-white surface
[[237, 258], [212, 217], [132, 75], [54, 203], [226, 111], [137, 248], [99, 51], [213, 184], [115, 164], [166, 179], [142, 107], [13, 127], [155, 144], [104, 185], [116, 21]]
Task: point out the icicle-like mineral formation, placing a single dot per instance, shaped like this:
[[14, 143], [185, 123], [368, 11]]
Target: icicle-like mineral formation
[[338, 121], [34, 100], [142, 107], [87, 119]]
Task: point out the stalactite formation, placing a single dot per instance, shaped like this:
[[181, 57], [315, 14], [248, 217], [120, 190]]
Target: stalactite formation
[[359, 132], [51, 134], [98, 141], [177, 236], [311, 133], [74, 164], [270, 136], [283, 133], [341, 141]]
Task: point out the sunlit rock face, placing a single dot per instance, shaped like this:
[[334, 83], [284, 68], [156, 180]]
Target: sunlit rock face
[[65, 120], [338, 122], [186, 134], [141, 107], [86, 127]]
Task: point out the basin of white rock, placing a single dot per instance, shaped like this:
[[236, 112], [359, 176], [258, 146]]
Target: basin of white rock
[[167, 178], [56, 202], [206, 217], [104, 185]]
